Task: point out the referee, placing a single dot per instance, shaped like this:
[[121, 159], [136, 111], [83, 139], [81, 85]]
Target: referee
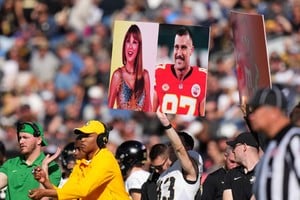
[[278, 173]]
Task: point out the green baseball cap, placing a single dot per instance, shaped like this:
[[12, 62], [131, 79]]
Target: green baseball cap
[[33, 128]]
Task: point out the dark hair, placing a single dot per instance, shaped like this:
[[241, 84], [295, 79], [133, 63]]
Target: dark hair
[[67, 155], [187, 140], [129, 154], [158, 150], [184, 31], [36, 133]]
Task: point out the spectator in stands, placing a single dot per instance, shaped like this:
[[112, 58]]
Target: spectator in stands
[[65, 86], [43, 62]]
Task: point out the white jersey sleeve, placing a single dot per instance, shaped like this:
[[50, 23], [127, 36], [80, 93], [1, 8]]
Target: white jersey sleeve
[[135, 180], [172, 184]]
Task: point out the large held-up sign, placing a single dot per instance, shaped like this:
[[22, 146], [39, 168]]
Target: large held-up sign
[[158, 66], [252, 63]]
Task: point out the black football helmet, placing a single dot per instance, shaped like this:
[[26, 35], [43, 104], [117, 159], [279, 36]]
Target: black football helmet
[[131, 153], [67, 155]]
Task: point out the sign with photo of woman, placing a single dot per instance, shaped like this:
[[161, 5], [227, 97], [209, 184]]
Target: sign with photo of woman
[[133, 58], [159, 66]]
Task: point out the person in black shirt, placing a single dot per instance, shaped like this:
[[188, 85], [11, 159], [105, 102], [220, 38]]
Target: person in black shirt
[[239, 181], [213, 185], [157, 152], [149, 187]]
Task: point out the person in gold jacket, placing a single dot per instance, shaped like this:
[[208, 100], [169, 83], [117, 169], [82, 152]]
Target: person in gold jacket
[[97, 177]]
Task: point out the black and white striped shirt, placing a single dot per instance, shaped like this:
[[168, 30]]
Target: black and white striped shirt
[[278, 172]]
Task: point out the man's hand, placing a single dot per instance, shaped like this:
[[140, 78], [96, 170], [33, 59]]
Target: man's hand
[[42, 194], [162, 117], [190, 170], [39, 174], [35, 194], [48, 159]]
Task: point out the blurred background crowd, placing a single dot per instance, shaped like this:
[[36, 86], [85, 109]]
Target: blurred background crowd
[[55, 65]]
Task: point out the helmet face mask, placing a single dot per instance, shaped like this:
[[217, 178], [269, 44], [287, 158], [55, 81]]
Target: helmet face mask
[[67, 155], [129, 154]]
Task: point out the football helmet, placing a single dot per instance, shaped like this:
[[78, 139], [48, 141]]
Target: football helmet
[[129, 154], [67, 155]]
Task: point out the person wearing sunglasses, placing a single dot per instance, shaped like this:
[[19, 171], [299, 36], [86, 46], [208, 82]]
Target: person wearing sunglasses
[[159, 158], [159, 162]]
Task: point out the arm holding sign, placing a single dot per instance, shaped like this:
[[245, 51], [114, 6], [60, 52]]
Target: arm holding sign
[[189, 167]]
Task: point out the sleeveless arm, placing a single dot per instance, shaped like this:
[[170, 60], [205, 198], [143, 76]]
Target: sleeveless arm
[[191, 172], [155, 97], [114, 85], [155, 101], [147, 105]]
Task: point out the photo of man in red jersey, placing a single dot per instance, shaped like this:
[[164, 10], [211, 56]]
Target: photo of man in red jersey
[[180, 88]]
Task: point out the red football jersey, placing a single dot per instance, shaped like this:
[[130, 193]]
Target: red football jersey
[[180, 96]]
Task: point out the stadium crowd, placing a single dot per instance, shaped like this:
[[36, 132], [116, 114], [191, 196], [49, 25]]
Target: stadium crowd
[[55, 65]]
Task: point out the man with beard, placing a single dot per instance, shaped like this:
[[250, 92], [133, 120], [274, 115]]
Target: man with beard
[[16, 173], [180, 88]]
